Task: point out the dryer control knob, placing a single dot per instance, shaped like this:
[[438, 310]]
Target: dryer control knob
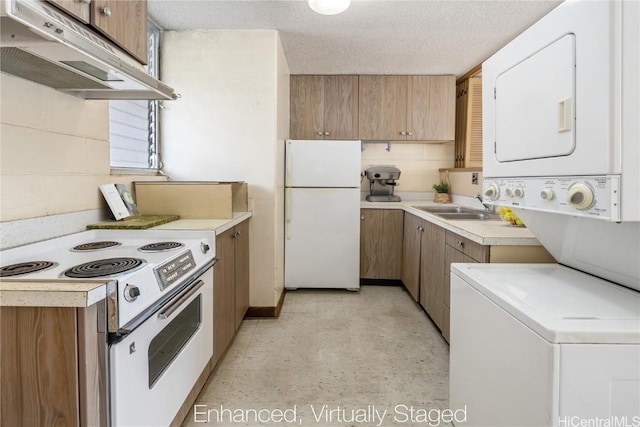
[[492, 192], [508, 192], [546, 194], [518, 193], [580, 196]]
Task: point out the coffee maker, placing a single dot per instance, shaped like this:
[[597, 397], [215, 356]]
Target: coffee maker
[[382, 182]]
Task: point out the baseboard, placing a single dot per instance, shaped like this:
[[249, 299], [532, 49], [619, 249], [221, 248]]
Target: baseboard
[[381, 282], [266, 311]]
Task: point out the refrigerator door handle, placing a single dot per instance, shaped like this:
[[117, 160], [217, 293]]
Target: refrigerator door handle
[[287, 213], [287, 167]]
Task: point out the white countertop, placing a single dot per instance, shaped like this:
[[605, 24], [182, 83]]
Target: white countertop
[[67, 293], [490, 233], [217, 225]]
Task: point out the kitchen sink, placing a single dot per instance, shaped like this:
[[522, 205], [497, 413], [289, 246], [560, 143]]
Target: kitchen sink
[[445, 209], [479, 216]]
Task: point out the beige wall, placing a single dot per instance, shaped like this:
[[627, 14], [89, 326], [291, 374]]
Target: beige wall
[[54, 151], [230, 125], [418, 163], [460, 183]]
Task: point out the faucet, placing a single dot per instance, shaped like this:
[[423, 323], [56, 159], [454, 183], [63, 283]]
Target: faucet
[[487, 207]]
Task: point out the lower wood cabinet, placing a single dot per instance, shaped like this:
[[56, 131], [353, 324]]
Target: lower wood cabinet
[[381, 243], [230, 286], [428, 252], [52, 365]]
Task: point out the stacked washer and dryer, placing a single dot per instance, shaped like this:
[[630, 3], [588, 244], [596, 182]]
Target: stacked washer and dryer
[[558, 344]]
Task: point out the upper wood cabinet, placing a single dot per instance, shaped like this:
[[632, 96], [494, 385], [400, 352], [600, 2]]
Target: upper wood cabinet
[[324, 107], [124, 22], [468, 145], [407, 108]]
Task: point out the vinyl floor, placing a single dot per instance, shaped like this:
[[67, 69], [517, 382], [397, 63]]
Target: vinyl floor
[[332, 358]]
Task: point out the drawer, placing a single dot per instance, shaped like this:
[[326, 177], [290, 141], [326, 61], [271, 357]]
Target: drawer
[[468, 247]]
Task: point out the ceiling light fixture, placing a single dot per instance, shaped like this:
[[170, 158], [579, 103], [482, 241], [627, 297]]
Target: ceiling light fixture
[[329, 7]]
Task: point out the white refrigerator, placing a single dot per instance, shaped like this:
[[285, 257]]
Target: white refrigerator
[[322, 214]]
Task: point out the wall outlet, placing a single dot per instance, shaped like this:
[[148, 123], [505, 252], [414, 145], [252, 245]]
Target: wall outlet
[[474, 178]]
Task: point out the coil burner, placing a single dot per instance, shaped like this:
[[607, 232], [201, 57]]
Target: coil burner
[[103, 267], [25, 268], [95, 246], [160, 246]]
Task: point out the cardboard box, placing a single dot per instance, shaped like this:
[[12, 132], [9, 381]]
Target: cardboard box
[[191, 199]]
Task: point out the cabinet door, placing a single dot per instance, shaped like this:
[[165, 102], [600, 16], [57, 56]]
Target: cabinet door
[[411, 254], [242, 270], [431, 108], [382, 107], [39, 369], [381, 243], [340, 107], [432, 272], [306, 107], [76, 8], [370, 242], [468, 135], [124, 22], [224, 293]]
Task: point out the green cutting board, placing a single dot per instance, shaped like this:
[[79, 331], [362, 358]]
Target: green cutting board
[[136, 223]]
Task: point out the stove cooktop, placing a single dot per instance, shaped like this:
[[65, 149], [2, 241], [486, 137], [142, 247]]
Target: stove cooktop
[[153, 261]]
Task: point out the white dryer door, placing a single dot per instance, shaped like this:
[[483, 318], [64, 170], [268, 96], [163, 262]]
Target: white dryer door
[[535, 105]]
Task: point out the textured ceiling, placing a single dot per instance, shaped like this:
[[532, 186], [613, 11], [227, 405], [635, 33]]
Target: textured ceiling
[[371, 37]]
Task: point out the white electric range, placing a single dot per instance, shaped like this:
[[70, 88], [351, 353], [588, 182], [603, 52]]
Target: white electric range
[[159, 309]]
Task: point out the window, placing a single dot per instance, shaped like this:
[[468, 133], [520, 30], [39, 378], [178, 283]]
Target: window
[[133, 124]]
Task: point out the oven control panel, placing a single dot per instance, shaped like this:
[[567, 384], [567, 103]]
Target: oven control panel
[[172, 271], [589, 196]]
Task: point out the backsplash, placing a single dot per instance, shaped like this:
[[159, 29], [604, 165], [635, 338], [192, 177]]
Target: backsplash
[[54, 152], [460, 182], [418, 163]]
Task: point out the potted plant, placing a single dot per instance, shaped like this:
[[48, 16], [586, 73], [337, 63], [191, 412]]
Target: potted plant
[[442, 193]]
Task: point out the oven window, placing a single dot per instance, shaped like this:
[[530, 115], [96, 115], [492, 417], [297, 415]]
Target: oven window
[[167, 344]]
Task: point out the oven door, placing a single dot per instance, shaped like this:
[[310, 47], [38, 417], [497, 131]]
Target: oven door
[[154, 367]]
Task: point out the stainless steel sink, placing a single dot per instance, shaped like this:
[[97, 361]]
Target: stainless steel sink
[[445, 209], [478, 216]]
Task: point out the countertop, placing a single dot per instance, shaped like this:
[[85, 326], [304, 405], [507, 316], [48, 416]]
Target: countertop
[[16, 292], [490, 233]]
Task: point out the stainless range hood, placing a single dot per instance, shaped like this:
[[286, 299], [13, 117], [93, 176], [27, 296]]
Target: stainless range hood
[[41, 44]]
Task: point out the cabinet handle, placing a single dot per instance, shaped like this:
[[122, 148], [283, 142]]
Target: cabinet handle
[[106, 11], [409, 133], [319, 133], [403, 133], [362, 217], [326, 133], [460, 244]]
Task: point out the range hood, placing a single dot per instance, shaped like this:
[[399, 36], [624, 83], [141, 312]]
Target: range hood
[[41, 44]]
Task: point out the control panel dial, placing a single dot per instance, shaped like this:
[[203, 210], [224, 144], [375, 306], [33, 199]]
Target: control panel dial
[[547, 194], [131, 292], [492, 192], [580, 196]]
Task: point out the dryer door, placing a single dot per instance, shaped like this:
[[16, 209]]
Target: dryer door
[[536, 98]]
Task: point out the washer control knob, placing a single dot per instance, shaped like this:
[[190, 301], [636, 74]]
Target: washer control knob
[[580, 196], [518, 193], [131, 293], [492, 192], [204, 248], [508, 192], [546, 194]]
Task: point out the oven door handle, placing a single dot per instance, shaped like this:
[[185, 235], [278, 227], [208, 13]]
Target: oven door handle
[[188, 293]]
